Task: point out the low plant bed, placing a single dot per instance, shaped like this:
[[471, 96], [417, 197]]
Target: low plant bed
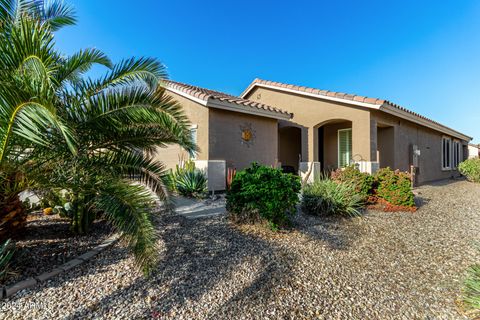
[[379, 204], [46, 243]]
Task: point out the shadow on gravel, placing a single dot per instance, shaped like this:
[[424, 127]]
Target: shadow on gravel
[[421, 201], [200, 255], [338, 233]]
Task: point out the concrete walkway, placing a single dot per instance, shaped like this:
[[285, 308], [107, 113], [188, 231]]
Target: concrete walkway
[[194, 208]]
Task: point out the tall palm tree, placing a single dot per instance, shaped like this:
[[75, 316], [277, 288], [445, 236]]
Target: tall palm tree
[[94, 138]]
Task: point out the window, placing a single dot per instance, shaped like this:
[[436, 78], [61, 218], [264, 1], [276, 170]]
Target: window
[[193, 135], [456, 154], [344, 147], [446, 153]]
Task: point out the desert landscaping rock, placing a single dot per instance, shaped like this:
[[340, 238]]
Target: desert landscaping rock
[[48, 243], [381, 266]]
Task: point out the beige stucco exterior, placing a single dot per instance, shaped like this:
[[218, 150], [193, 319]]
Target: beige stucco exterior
[[311, 113], [219, 138], [198, 116], [226, 143], [309, 140], [378, 138]]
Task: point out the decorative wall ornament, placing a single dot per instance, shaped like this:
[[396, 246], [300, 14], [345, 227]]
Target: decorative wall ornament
[[247, 134]]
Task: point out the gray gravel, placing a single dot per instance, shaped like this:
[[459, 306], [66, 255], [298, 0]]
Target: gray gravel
[[47, 242], [381, 266]]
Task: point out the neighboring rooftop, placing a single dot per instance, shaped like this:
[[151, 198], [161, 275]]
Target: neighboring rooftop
[[222, 100], [379, 104]]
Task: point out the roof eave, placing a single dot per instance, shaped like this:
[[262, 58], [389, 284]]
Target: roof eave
[[395, 111], [385, 107], [225, 105]]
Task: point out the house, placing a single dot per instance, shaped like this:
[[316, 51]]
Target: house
[[307, 130], [473, 150]]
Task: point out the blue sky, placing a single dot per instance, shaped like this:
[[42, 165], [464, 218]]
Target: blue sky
[[423, 55]]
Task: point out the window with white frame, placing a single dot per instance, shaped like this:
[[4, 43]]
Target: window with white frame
[[193, 136], [456, 154], [446, 153], [344, 147]]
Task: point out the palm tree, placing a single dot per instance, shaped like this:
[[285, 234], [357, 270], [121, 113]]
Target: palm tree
[[27, 101], [94, 138]]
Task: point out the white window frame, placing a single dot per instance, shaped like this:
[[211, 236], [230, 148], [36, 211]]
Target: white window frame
[[445, 156], [457, 153], [194, 136], [338, 147]]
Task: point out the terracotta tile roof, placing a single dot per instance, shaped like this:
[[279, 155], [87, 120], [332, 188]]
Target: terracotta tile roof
[[343, 96], [207, 94]]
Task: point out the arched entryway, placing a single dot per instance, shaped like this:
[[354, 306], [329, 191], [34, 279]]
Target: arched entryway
[[334, 144]]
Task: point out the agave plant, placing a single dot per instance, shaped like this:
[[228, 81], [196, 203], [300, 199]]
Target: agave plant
[[95, 138], [191, 183]]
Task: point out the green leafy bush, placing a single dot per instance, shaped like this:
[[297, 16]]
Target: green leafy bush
[[361, 182], [470, 168], [6, 253], [327, 197], [394, 187], [187, 180], [263, 192]]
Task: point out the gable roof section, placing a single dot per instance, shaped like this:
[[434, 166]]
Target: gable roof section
[[220, 100], [373, 103]]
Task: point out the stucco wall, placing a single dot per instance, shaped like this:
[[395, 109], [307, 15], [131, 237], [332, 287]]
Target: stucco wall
[[198, 115], [386, 147], [312, 113], [226, 142], [428, 141]]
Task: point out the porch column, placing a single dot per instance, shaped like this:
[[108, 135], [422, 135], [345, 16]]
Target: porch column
[[309, 166], [364, 144]]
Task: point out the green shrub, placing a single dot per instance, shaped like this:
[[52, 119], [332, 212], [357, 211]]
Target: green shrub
[[470, 168], [263, 192], [361, 182], [187, 180], [6, 253], [394, 187], [327, 197]]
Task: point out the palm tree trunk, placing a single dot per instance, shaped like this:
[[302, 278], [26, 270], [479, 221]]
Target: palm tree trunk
[[82, 215], [13, 217]]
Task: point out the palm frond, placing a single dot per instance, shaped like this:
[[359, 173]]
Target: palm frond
[[33, 121], [142, 71], [76, 65], [55, 13], [130, 209], [135, 166]]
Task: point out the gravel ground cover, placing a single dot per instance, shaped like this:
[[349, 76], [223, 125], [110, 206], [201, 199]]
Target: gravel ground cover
[[381, 266], [47, 243]]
